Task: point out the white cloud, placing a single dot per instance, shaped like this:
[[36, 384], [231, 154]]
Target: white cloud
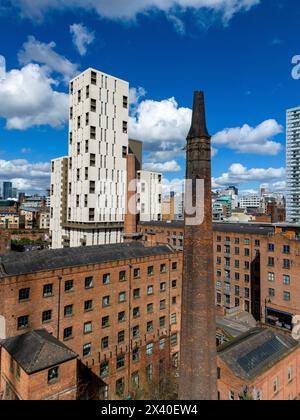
[[25, 151], [81, 37], [2, 67], [27, 99], [161, 125], [170, 166], [26, 176], [246, 139], [176, 185], [238, 174], [120, 9], [135, 94], [39, 52]]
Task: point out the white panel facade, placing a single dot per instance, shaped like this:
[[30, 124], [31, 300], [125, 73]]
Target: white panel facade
[[149, 195], [293, 165]]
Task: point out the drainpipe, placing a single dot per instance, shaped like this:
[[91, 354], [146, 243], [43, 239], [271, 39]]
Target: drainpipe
[[58, 305]]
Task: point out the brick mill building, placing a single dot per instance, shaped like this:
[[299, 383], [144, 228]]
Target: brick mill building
[[116, 306]]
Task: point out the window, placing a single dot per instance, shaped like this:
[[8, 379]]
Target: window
[[122, 276], [270, 261], [162, 343], [174, 266], [271, 247], [174, 340], [121, 336], [231, 395], [93, 105], [174, 284], [136, 293], [120, 386], [275, 386], [247, 278], [87, 328], [163, 287], [120, 361], [149, 372], [290, 374], [286, 249], [105, 322], [48, 290], [150, 290], [68, 332], [237, 290], [92, 160], [23, 322], [106, 279], [149, 326], [135, 355], [125, 125], [104, 369], [286, 296], [92, 187], [104, 343], [47, 316], [121, 316], [150, 308], [53, 375], [247, 252], [122, 297], [87, 350], [136, 331], [136, 312], [93, 133], [136, 273], [150, 270], [162, 304], [257, 242], [286, 280], [88, 305], [271, 277], [162, 321], [163, 268], [69, 286], [247, 293], [24, 294], [271, 292], [125, 102], [174, 300], [89, 282], [286, 264], [105, 301], [173, 319], [149, 349], [93, 78], [68, 310]]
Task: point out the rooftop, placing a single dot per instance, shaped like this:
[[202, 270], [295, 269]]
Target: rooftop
[[256, 351], [250, 228], [37, 350], [37, 261]]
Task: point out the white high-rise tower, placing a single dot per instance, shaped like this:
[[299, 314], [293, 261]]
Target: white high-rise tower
[[293, 165], [88, 187]]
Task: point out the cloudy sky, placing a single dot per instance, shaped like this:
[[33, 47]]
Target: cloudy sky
[[242, 53]]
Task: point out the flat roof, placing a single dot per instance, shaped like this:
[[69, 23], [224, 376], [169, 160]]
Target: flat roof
[[37, 350], [251, 228], [52, 259], [258, 350]]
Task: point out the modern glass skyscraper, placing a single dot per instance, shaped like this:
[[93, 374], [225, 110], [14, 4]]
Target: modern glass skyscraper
[[293, 164], [7, 190]]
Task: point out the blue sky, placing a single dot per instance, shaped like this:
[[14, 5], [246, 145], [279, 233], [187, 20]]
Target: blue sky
[[238, 51]]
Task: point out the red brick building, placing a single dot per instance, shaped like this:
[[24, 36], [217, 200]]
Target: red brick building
[[263, 364], [116, 306], [36, 366]]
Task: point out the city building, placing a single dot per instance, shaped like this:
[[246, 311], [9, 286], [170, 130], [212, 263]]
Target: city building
[[252, 201], [7, 190], [9, 220], [117, 306], [94, 179], [292, 164], [179, 206], [44, 219], [198, 359], [262, 364], [37, 366], [149, 195]]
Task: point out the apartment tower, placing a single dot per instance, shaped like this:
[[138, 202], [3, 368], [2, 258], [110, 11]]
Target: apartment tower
[[293, 164], [88, 193], [198, 371]]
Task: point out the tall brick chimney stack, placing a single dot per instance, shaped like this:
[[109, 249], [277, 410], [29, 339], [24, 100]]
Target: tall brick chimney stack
[[198, 368], [130, 225]]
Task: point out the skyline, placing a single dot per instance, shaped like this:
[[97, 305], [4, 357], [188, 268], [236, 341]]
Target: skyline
[[41, 57]]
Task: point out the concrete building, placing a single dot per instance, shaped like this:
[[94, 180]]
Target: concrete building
[[149, 195], [44, 220], [252, 201], [198, 361], [9, 220], [94, 206], [36, 366], [292, 164], [117, 306]]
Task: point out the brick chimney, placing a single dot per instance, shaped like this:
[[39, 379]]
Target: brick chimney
[[198, 368], [130, 225]]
